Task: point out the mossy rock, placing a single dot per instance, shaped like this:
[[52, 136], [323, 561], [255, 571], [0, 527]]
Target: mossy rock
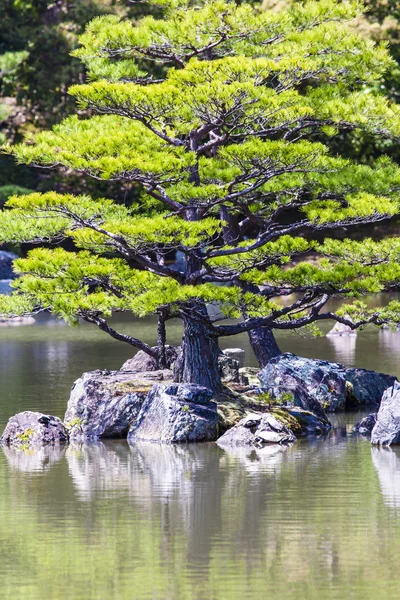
[[293, 423], [232, 407]]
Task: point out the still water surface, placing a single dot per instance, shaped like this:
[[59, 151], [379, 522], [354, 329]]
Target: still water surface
[[320, 520]]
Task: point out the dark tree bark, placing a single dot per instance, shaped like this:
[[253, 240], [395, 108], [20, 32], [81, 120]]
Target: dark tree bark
[[263, 343], [199, 356], [199, 360], [161, 341], [262, 339]]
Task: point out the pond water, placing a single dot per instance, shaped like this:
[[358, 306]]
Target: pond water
[[319, 520]]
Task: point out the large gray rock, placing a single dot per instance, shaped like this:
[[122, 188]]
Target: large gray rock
[[309, 424], [366, 425], [104, 404], [387, 427], [6, 263], [176, 413], [33, 429], [258, 429], [368, 386], [317, 385]]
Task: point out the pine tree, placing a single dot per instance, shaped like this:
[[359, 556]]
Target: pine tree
[[230, 145]]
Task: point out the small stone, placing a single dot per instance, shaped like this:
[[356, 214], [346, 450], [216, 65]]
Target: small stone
[[366, 425], [264, 429], [237, 354], [251, 420], [271, 437], [33, 429], [143, 362]]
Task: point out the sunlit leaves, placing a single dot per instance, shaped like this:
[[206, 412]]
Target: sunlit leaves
[[225, 147]]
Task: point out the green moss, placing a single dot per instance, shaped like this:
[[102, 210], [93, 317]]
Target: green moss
[[232, 407], [134, 386], [287, 419], [76, 422], [26, 435]]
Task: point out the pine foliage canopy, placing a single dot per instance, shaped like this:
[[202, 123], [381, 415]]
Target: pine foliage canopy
[[223, 114]]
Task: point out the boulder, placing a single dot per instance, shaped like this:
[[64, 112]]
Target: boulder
[[308, 423], [33, 429], [104, 404], [6, 262], [143, 362], [317, 385], [314, 385], [366, 425], [258, 429], [387, 427], [176, 413], [237, 354], [368, 386]]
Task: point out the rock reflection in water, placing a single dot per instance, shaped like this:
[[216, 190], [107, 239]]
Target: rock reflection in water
[[269, 458], [200, 522], [387, 463], [344, 348], [33, 460]]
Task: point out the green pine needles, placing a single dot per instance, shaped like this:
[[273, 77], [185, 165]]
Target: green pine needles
[[223, 114]]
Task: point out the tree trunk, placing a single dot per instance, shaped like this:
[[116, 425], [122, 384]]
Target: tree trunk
[[199, 361], [263, 343], [161, 341], [262, 339]]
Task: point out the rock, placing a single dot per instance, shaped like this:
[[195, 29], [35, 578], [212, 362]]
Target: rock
[[176, 413], [339, 329], [33, 429], [228, 365], [18, 321], [369, 386], [309, 423], [143, 362], [257, 429], [249, 376], [366, 425], [104, 404], [228, 368], [237, 354], [387, 427], [318, 384], [6, 261], [314, 385]]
